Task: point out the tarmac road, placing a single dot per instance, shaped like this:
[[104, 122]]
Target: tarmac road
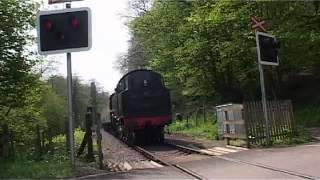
[[299, 162]]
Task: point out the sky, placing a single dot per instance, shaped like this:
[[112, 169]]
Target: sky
[[109, 39]]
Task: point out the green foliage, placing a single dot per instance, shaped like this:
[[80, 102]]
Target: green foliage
[[299, 136], [202, 129], [54, 110], [17, 19], [59, 141], [204, 49], [35, 169], [54, 164], [308, 116]]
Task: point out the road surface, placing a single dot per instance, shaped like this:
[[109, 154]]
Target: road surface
[[299, 162]]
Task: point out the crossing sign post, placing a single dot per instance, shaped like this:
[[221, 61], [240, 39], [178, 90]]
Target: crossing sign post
[[258, 24], [65, 31], [267, 50]]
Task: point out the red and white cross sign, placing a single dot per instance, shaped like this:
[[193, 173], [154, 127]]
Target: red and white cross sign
[[257, 24]]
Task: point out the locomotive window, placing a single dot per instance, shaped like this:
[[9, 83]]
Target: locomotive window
[[123, 84]]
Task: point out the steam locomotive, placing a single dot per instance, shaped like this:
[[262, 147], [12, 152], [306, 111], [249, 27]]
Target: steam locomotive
[[140, 107]]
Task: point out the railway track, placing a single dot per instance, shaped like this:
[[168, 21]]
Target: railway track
[[166, 154], [169, 155]]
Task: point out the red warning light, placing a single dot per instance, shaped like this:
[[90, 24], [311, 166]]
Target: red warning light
[[48, 25], [75, 23]]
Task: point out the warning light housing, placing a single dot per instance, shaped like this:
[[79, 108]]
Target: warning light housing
[[268, 48], [67, 30]]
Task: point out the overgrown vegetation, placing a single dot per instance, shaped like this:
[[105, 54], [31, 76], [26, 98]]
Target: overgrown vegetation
[[23, 168], [305, 117], [204, 49], [308, 116], [53, 164], [33, 108], [198, 128]]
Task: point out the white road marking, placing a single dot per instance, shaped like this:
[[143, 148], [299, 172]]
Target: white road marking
[[156, 164], [127, 166]]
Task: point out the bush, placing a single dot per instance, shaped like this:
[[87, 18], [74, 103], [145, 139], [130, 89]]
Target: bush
[[54, 164], [35, 169], [308, 116], [207, 129]]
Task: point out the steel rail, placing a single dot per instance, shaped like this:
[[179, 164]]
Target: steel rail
[[155, 158], [184, 148]]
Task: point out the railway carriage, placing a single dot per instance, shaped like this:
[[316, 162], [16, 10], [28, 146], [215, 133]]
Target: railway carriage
[[140, 107]]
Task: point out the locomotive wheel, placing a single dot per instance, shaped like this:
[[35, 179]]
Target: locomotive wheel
[[121, 132], [131, 138], [160, 135]]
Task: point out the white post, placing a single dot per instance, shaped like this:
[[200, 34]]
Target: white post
[[69, 79], [263, 93]]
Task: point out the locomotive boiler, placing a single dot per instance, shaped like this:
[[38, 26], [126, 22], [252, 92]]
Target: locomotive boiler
[[140, 107]]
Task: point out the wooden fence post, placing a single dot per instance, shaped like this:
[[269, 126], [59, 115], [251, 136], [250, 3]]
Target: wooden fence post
[[97, 121], [87, 139], [99, 138], [90, 156]]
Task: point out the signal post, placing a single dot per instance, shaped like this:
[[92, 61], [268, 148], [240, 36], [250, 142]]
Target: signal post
[[65, 31], [267, 50]]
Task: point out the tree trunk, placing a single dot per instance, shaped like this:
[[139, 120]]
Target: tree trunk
[[50, 148], [12, 149], [204, 113], [5, 142], [43, 138], [38, 143], [197, 114]]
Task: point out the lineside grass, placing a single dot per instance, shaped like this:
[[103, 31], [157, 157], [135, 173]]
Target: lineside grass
[[308, 116], [34, 169], [53, 164], [204, 129]]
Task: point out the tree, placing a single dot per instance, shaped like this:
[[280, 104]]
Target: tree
[[17, 19], [17, 82], [135, 57], [204, 48]]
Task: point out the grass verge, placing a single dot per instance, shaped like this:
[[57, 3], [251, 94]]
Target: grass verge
[[35, 169], [308, 116], [53, 164], [204, 129]]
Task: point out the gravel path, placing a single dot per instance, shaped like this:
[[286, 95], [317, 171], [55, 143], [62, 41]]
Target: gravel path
[[118, 157]]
